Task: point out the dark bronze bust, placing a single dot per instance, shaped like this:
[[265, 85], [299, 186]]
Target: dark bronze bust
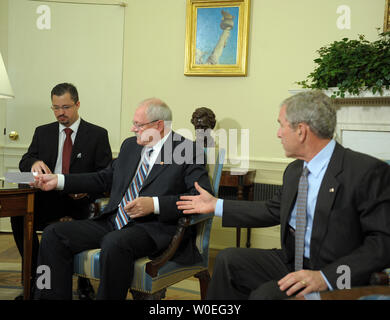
[[204, 121]]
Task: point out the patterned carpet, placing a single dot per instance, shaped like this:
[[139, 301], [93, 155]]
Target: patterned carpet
[[10, 276], [10, 286]]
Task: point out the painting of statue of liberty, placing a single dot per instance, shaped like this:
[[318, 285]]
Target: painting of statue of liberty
[[217, 36]]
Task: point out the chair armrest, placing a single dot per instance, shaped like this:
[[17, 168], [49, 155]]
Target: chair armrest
[[153, 266], [380, 278], [196, 218], [99, 205]]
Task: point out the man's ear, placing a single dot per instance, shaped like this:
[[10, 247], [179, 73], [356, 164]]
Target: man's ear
[[160, 126], [302, 130]]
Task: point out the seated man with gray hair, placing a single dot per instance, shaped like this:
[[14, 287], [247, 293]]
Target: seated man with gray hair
[[333, 210], [152, 170]]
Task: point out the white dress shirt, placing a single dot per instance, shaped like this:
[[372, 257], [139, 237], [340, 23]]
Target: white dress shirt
[[153, 157], [61, 140]]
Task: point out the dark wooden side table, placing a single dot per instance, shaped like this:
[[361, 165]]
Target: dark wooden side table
[[351, 294], [244, 181], [19, 201]]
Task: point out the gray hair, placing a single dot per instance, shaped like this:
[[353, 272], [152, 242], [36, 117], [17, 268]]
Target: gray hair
[[315, 109], [157, 110]]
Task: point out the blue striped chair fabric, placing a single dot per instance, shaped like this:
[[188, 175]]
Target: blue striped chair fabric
[[86, 263]]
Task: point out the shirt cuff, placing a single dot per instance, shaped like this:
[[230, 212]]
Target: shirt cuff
[[156, 205], [60, 182], [219, 208], [327, 282]]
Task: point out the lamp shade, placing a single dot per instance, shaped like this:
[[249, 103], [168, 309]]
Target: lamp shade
[[5, 86]]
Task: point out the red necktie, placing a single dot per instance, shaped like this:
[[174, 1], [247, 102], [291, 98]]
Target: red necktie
[[67, 151]]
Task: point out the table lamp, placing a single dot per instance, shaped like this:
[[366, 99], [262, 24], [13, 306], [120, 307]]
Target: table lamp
[[5, 86]]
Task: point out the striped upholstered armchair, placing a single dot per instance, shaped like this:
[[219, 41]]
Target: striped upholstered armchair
[[152, 277]]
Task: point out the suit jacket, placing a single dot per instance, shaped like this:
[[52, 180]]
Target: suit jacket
[[168, 179], [91, 152], [351, 221]]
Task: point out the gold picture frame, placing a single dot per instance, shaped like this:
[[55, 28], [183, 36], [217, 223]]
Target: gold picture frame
[[386, 24], [216, 37]]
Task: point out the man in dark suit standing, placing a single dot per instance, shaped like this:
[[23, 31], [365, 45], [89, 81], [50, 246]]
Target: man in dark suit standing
[[333, 210], [145, 181], [85, 148]]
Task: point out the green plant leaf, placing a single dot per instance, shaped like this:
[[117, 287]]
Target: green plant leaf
[[352, 65]]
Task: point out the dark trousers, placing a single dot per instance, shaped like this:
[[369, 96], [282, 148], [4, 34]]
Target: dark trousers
[[241, 274], [119, 250], [44, 214]]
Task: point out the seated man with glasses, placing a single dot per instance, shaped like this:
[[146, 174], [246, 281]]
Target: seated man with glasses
[[69, 145], [152, 170]]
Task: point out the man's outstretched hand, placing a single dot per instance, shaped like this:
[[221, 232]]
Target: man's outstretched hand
[[45, 182], [202, 203]]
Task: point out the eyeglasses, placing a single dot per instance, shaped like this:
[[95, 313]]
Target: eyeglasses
[[139, 126], [58, 108]]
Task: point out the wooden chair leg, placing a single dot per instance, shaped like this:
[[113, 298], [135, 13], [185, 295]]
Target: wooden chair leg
[[204, 279]]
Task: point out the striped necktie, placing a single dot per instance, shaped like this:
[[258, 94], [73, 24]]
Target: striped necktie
[[301, 219], [132, 192]]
